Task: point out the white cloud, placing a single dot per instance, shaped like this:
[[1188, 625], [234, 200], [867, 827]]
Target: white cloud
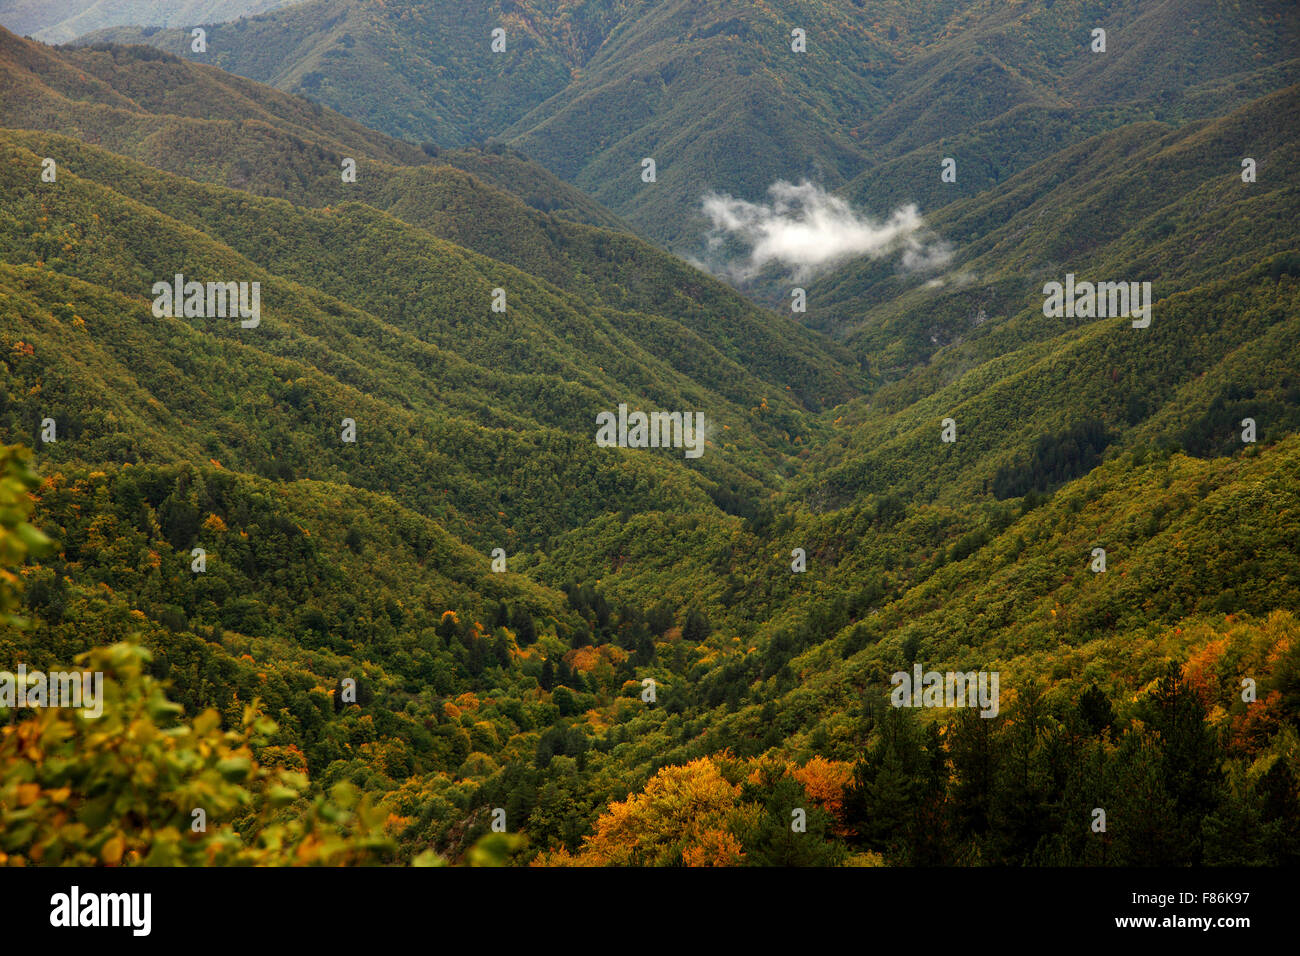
[[809, 230]]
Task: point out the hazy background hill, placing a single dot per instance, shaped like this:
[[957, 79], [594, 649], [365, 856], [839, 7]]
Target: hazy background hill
[[58, 21]]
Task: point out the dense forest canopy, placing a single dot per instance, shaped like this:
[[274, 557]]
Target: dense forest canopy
[[364, 586]]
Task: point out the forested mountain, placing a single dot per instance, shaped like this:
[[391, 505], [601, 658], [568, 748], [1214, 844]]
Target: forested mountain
[[1133, 201], [717, 95], [287, 525]]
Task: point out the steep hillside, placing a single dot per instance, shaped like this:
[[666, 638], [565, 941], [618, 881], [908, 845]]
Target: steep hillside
[[422, 343]]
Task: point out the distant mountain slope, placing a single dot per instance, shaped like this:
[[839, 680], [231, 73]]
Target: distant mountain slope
[[532, 183], [1105, 372], [716, 95], [1050, 398], [1143, 202], [442, 82]]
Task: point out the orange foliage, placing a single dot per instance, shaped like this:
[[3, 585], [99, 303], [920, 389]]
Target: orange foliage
[[715, 848], [1199, 672], [584, 658], [825, 782], [1255, 725]]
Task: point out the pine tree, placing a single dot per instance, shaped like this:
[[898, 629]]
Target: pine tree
[[776, 842], [1190, 755], [1095, 710], [696, 627]]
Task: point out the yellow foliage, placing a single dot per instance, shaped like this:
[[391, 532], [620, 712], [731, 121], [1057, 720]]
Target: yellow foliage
[[686, 814]]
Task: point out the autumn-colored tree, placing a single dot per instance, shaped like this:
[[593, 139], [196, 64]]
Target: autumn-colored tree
[[686, 814], [825, 782]]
